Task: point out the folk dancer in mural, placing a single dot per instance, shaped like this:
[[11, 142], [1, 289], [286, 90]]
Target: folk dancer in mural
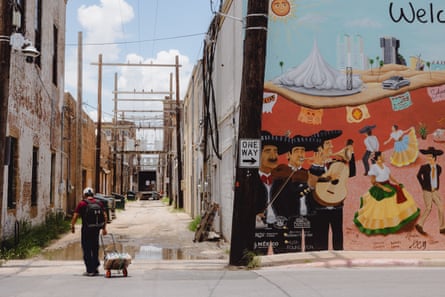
[[405, 146], [387, 206], [328, 178], [372, 145], [429, 177], [293, 197]]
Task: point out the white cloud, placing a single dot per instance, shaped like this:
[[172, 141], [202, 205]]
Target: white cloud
[[153, 79], [102, 28]]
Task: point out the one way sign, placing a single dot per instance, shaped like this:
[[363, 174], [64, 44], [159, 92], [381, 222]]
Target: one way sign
[[249, 153]]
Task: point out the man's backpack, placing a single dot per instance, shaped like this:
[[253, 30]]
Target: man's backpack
[[94, 215]]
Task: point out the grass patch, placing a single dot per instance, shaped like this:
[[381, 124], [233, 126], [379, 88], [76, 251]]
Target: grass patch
[[193, 225], [252, 260], [31, 240]]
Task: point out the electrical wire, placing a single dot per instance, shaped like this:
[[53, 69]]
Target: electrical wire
[[210, 117], [138, 41]]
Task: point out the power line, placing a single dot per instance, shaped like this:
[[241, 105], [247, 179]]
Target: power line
[[139, 41]]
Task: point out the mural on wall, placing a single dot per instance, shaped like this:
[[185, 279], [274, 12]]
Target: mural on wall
[[353, 127]]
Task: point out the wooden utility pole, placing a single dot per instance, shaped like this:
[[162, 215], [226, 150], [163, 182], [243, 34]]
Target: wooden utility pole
[[5, 64], [79, 124], [99, 126], [116, 135], [178, 138], [251, 100]]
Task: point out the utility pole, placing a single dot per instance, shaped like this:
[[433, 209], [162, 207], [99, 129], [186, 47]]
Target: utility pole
[[5, 64], [115, 135], [99, 126], [178, 138], [79, 122], [99, 123], [251, 100]]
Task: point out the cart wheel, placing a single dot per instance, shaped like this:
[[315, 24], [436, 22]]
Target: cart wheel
[[108, 274], [125, 272]]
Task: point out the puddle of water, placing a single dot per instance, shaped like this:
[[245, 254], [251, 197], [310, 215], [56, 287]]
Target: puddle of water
[[73, 251]]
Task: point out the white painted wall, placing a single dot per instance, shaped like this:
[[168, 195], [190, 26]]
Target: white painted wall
[[227, 84]]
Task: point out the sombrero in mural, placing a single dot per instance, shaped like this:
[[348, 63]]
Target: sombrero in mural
[[281, 142], [308, 142], [324, 135], [366, 129], [431, 151]]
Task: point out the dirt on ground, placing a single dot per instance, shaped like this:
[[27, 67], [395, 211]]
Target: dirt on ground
[[145, 228]]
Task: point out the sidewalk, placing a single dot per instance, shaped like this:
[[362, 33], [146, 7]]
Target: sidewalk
[[325, 259], [356, 259]]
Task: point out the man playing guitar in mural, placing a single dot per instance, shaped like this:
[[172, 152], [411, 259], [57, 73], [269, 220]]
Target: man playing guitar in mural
[[328, 179]]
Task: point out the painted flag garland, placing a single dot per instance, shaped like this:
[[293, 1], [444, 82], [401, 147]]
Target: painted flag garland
[[356, 114]]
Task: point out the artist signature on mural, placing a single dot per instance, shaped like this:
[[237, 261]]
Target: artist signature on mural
[[415, 243]]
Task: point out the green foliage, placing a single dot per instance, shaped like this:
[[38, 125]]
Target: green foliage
[[31, 240], [251, 259], [193, 225]]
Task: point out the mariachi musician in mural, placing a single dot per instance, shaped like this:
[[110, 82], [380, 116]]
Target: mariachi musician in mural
[[271, 212], [330, 189], [296, 193]]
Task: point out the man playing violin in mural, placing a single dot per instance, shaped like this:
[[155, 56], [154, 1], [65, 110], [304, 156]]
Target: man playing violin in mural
[[270, 222], [328, 177], [293, 191], [271, 147]]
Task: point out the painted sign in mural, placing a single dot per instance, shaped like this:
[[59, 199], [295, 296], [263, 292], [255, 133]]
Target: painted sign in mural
[[353, 127]]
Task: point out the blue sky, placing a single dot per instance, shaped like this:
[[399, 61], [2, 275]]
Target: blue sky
[[133, 31]]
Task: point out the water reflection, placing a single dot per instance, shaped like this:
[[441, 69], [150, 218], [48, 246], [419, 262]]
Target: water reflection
[[73, 251]]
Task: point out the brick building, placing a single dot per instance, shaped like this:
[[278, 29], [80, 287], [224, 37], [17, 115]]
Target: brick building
[[32, 50], [69, 163]]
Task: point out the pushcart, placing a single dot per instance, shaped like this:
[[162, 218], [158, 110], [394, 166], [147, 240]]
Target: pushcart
[[113, 259]]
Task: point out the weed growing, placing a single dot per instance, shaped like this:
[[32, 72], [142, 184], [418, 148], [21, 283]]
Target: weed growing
[[31, 239]]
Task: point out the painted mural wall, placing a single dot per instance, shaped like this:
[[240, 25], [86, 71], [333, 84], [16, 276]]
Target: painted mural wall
[[353, 127]]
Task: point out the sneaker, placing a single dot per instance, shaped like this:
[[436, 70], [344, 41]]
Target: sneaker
[[89, 274]]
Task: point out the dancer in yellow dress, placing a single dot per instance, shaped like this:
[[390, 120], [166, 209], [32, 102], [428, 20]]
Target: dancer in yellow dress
[[406, 148], [387, 206]]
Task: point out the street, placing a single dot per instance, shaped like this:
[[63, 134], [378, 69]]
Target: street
[[147, 229], [47, 279]]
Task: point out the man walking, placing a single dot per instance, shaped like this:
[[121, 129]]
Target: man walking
[[90, 209]]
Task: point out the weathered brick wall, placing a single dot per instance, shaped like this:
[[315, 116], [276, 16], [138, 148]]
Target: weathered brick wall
[[34, 109]]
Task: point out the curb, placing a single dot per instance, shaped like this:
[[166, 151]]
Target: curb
[[356, 259]]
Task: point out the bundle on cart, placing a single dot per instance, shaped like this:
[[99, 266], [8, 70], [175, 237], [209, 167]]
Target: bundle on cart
[[115, 260]]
